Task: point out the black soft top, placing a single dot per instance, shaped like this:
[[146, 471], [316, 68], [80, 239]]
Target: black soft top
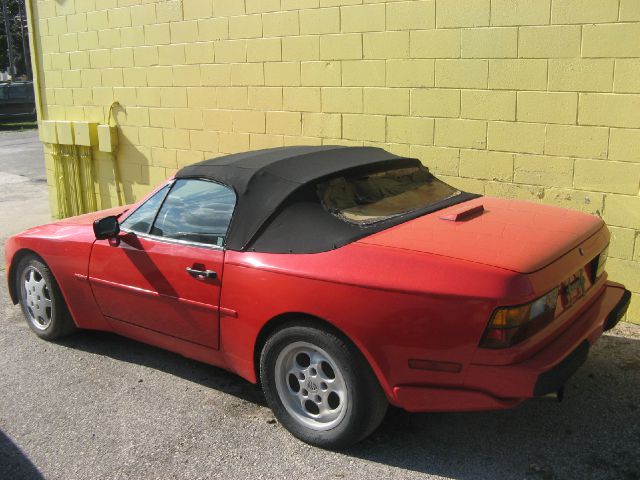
[[274, 211]]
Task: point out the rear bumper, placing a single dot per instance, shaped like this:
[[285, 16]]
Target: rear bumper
[[488, 387]]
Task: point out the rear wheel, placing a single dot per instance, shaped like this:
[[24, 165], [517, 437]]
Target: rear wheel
[[320, 387], [42, 303]]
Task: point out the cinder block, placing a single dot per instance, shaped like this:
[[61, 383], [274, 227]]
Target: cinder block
[[47, 131], [226, 8], [364, 127], [410, 73], [184, 32], [346, 46], [364, 73], [284, 123], [490, 43], [441, 43], [630, 11], [625, 272], [543, 170], [622, 242], [547, 107], [132, 36], [233, 98], [462, 73], [144, 14], [624, 144], [518, 74], [265, 98], [206, 141], [260, 6], [413, 130], [188, 118], [301, 48], [301, 99], [85, 133], [321, 74], [174, 138], [611, 40], [342, 100], [413, 15], [590, 75], [385, 45], [588, 202], [157, 34], [194, 9], [150, 136], [280, 24], [627, 75], [247, 74], [486, 165], [460, 133], [145, 56], [234, 142], [119, 17], [520, 12], [215, 75], [201, 52], [282, 74], [622, 211], [320, 21], [488, 104], [213, 29], [218, 120], [246, 26], [260, 141], [363, 18], [439, 160], [231, 51], [573, 141], [263, 50], [201, 97], [64, 130], [386, 101], [584, 11], [463, 13], [188, 75], [107, 138], [607, 176], [169, 11], [614, 110], [550, 41], [435, 102], [322, 125], [516, 137]]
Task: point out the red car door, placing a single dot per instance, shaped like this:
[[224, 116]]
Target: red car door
[[166, 273]]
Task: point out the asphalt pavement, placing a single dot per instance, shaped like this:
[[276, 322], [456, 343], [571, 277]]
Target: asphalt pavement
[[100, 406]]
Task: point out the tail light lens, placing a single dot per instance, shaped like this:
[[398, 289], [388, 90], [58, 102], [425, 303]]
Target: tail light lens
[[511, 325]]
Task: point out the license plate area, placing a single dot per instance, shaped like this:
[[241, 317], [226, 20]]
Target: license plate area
[[575, 287]]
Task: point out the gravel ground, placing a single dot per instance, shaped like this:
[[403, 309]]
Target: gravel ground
[[100, 406]]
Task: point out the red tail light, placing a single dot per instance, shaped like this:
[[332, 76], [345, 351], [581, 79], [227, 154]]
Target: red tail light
[[511, 325]]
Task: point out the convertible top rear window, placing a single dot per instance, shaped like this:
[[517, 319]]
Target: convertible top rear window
[[368, 198]]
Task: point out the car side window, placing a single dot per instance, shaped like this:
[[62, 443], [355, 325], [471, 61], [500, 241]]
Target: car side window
[[140, 221], [196, 211]]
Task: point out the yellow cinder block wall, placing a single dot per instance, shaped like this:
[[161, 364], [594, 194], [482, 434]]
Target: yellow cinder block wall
[[529, 99]]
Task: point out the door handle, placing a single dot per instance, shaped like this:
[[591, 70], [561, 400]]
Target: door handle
[[201, 274]]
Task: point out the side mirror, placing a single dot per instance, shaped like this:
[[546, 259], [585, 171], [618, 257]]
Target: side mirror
[[106, 228]]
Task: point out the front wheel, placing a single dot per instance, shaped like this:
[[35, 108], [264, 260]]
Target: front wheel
[[41, 300], [320, 387]]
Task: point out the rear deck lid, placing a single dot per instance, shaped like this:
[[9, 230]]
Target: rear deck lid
[[519, 236]]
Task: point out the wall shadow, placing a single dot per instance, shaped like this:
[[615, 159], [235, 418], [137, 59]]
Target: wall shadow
[[14, 464], [594, 433]]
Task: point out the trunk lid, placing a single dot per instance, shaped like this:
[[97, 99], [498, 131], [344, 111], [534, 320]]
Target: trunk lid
[[520, 236]]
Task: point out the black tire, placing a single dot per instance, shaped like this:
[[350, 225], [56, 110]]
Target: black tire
[[50, 324], [366, 405]]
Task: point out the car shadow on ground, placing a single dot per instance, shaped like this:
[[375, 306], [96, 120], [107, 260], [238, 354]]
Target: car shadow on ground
[[593, 433], [15, 464]]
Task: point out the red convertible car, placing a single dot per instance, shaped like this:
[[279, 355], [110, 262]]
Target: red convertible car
[[341, 279]]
